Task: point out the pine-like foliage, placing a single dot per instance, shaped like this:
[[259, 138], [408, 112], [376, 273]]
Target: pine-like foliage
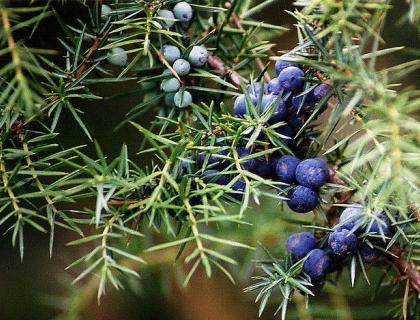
[[168, 210]]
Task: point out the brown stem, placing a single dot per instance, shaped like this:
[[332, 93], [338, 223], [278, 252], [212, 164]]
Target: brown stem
[[406, 269], [218, 65]]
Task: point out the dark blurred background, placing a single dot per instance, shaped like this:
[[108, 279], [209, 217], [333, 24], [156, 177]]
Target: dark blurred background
[[35, 288]]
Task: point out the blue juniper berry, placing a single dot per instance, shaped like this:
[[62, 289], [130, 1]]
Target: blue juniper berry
[[317, 264], [300, 244], [302, 199], [286, 168], [312, 173]]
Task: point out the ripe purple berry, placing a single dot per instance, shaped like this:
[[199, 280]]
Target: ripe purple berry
[[274, 86], [321, 91], [263, 167], [213, 176], [369, 254], [287, 133], [381, 227], [286, 168], [248, 164], [239, 186], [283, 64], [198, 56], [302, 199], [300, 244], [342, 243], [215, 159], [183, 11], [350, 218], [312, 173], [317, 264], [280, 110], [290, 78], [239, 106], [256, 88]]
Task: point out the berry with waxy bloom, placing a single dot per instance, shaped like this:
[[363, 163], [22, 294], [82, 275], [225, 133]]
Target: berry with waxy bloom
[[312, 173], [118, 57], [342, 242], [286, 168], [302, 199], [300, 244], [291, 78], [183, 11], [198, 56], [182, 67], [171, 53], [317, 264], [182, 99]]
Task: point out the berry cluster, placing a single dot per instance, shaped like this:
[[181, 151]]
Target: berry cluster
[[181, 63], [289, 101], [197, 57], [355, 232]]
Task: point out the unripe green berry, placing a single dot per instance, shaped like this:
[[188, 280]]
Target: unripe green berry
[[171, 53], [182, 67], [170, 85], [118, 57], [170, 99], [198, 56], [183, 11], [105, 11], [182, 99], [167, 18]]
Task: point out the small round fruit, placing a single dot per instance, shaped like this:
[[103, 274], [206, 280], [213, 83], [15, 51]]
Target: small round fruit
[[105, 12], [381, 227], [248, 164], [317, 264], [182, 67], [290, 78], [239, 186], [256, 88], [167, 17], [307, 105], [300, 244], [170, 85], [273, 86], [239, 106], [214, 159], [280, 110], [171, 53], [302, 199], [286, 168], [182, 99], [183, 11], [198, 56], [342, 243], [282, 64], [312, 173], [213, 176], [321, 91], [294, 120], [264, 167], [170, 99], [350, 218], [369, 254], [118, 57], [287, 133]]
